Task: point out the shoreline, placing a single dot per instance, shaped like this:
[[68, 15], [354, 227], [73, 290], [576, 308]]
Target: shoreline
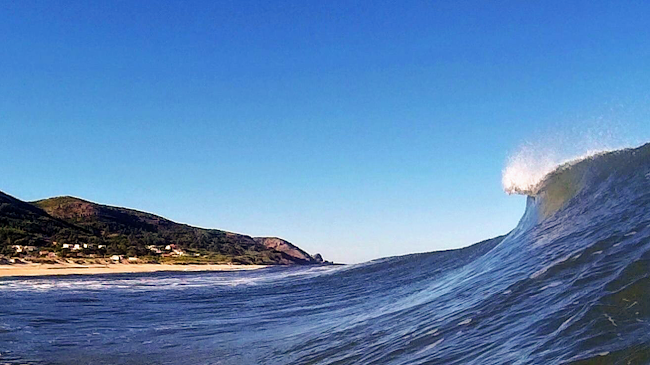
[[34, 269]]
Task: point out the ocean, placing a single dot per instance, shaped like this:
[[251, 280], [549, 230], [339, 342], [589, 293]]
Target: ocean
[[569, 285]]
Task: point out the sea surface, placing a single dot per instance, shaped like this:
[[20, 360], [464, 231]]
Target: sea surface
[[569, 285]]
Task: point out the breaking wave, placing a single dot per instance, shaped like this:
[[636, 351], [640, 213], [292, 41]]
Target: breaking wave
[[526, 170], [568, 285]]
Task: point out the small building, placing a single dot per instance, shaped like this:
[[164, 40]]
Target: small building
[[154, 249], [21, 248], [66, 245], [101, 246], [117, 258], [76, 247], [132, 259]]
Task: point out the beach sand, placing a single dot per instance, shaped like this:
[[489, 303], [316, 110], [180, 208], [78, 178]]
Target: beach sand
[[33, 269]]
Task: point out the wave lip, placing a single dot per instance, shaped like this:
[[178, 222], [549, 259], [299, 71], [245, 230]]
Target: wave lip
[[523, 174], [527, 171], [550, 189]]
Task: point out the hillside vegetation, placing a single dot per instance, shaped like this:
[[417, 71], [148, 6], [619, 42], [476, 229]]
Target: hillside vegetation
[[72, 227]]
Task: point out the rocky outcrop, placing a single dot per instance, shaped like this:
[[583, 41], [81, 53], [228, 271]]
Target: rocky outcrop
[[290, 249]]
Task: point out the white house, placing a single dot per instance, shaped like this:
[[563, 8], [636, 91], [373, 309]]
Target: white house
[[154, 249], [20, 248]]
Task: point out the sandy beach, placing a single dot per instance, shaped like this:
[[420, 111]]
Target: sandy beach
[[34, 269]]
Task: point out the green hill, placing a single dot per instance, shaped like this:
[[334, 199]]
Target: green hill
[[72, 227]]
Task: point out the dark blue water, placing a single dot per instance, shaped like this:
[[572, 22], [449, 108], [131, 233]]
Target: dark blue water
[[570, 284]]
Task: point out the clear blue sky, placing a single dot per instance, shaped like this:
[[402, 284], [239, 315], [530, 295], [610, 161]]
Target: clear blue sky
[[356, 129]]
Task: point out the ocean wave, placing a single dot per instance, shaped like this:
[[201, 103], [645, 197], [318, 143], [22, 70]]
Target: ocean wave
[[567, 285]]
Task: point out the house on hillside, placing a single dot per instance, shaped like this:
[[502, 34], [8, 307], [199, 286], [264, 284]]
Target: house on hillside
[[175, 250], [23, 249], [154, 249]]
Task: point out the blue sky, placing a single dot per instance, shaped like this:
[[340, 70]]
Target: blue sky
[[352, 128]]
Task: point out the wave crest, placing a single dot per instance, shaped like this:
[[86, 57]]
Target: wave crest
[[528, 168], [548, 192]]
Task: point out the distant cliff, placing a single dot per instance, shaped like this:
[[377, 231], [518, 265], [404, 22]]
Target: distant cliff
[[73, 227], [290, 249]]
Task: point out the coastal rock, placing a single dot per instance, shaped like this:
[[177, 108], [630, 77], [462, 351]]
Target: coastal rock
[[288, 248]]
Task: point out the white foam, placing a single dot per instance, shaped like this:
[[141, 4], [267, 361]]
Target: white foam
[[532, 162], [170, 282], [526, 168]]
